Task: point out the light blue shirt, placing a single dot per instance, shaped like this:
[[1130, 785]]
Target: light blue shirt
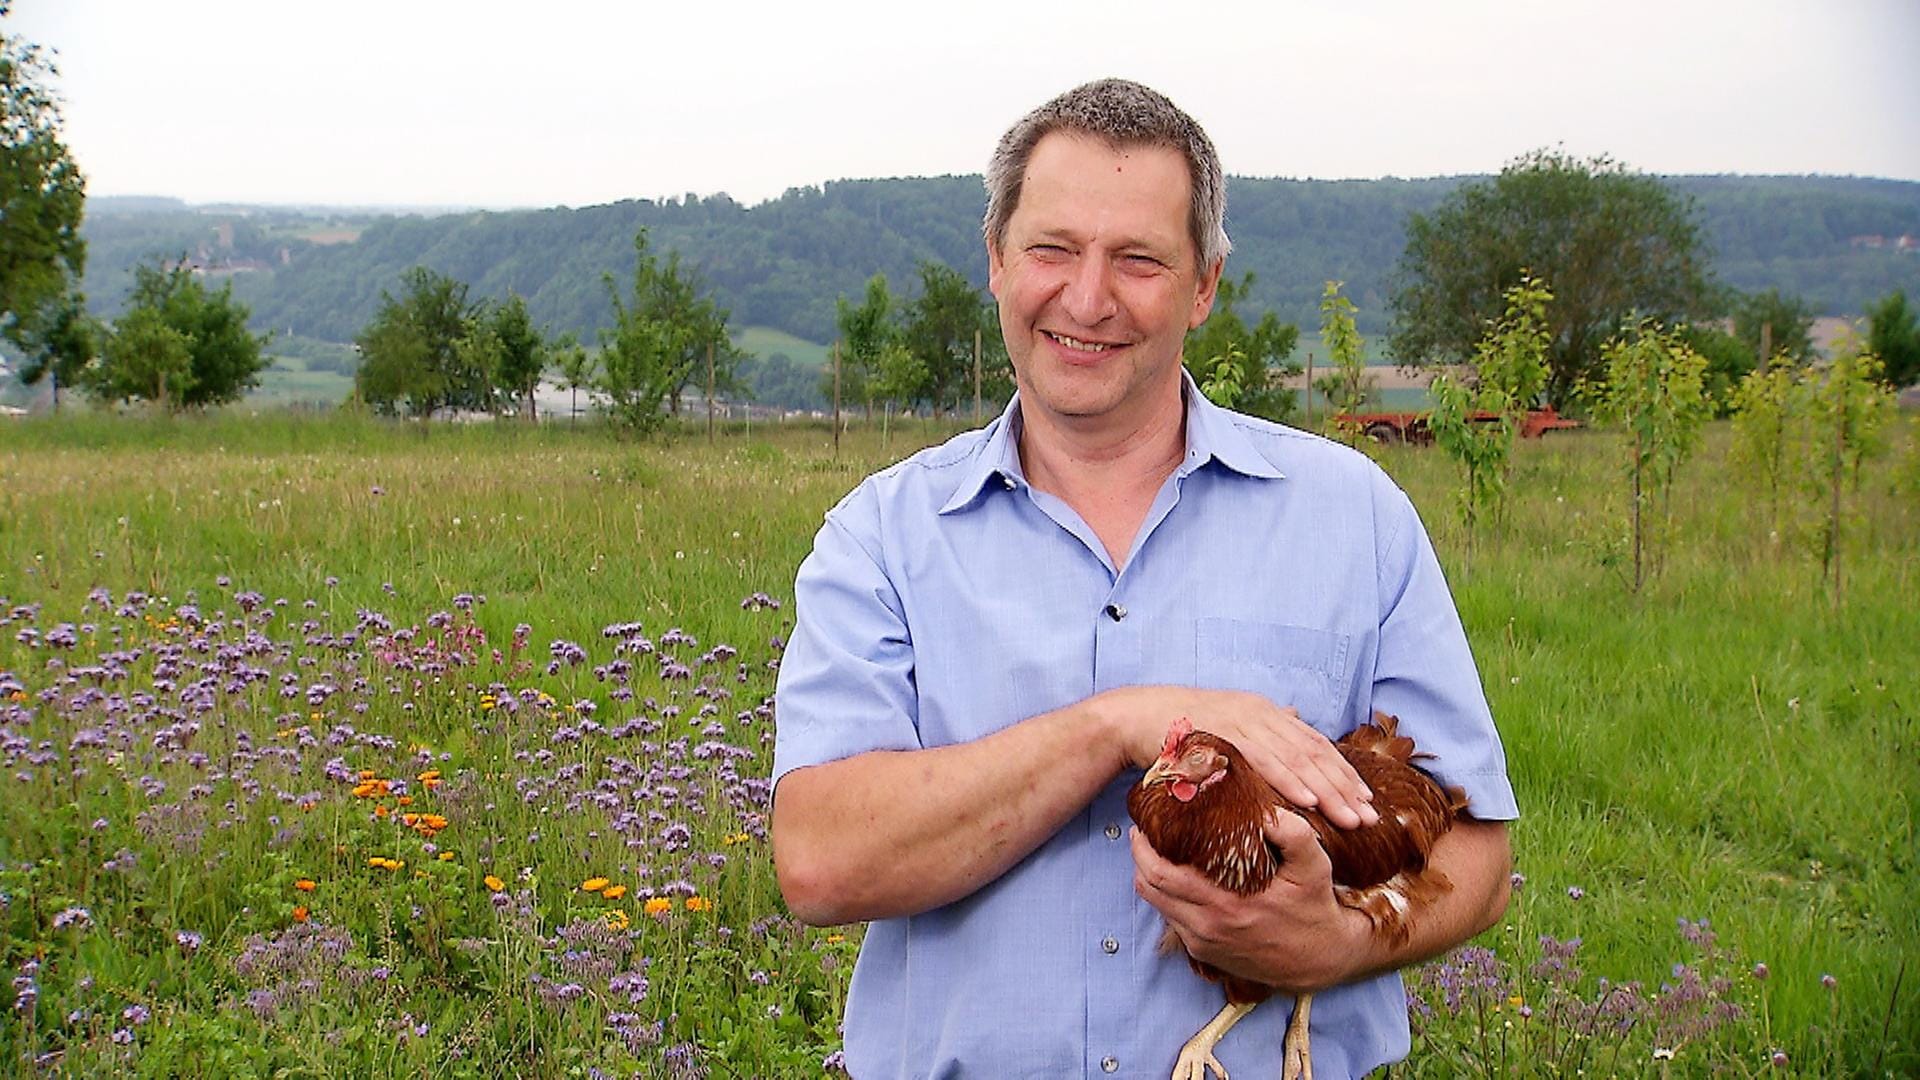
[[946, 599]]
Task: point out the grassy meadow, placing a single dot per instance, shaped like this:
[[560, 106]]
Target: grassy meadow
[[343, 747]]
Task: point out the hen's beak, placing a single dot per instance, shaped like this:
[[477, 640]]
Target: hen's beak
[[1156, 773]]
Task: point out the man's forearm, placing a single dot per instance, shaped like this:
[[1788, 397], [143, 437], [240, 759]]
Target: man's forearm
[[892, 833]]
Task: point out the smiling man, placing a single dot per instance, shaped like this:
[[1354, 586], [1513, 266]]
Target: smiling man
[[994, 635]]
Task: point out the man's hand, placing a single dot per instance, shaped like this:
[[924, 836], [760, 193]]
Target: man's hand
[[1293, 935], [1302, 764]]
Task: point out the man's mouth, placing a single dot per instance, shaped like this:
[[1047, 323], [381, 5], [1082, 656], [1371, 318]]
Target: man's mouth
[[1074, 344]]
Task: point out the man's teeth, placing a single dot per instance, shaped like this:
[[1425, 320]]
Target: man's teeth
[[1079, 346]]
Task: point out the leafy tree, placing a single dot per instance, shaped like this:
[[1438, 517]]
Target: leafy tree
[[65, 344], [145, 360], [1893, 335], [1851, 406], [1655, 386], [1222, 384], [1257, 356], [1728, 362], [522, 352], [1785, 319], [226, 359], [1611, 244], [1767, 406], [939, 330], [866, 331], [659, 340], [1348, 386], [411, 356], [902, 377], [1476, 421], [576, 369], [42, 195]]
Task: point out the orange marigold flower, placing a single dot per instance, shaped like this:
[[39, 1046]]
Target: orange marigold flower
[[409, 818], [614, 892], [433, 821], [699, 903], [494, 884], [594, 884], [300, 914], [430, 774], [304, 885], [405, 800], [659, 905], [431, 784], [368, 774], [381, 811]]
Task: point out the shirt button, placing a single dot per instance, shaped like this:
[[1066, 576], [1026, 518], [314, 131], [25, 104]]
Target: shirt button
[[1111, 946], [1116, 612], [1008, 481], [1109, 1064], [1113, 831]]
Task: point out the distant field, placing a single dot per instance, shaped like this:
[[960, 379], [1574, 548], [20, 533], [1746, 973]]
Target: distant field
[[289, 383], [763, 341]]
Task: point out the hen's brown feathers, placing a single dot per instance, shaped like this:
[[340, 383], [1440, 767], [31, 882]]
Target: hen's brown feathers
[[1380, 870]]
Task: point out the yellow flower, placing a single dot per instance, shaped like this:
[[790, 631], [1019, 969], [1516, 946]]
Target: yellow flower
[[446, 856], [614, 892], [659, 905], [430, 774], [835, 939], [494, 884], [699, 903], [618, 919], [593, 884]]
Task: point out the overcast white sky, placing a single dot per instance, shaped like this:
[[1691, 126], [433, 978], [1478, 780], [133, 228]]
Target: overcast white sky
[[493, 103]]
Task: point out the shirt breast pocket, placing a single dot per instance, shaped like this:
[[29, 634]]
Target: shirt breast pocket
[[1289, 665]]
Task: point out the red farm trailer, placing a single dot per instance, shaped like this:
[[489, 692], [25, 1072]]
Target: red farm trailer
[[1393, 427]]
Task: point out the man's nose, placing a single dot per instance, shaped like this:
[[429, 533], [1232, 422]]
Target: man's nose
[[1088, 297]]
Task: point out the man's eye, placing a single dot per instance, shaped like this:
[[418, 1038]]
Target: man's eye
[[1142, 263], [1048, 251]]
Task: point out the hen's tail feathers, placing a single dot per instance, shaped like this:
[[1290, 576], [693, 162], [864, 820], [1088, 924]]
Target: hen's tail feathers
[[1382, 736]]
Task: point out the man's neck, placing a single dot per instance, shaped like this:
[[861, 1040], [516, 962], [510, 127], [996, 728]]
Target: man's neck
[[1108, 476]]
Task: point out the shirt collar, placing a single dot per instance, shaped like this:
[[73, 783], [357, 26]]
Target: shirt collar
[[1212, 435]]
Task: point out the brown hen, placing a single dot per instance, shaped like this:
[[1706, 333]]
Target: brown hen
[[1202, 805]]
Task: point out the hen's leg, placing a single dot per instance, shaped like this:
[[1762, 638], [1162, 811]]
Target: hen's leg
[[1197, 1056], [1298, 1064]]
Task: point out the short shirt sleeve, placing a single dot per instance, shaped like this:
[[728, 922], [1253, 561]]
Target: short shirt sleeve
[[846, 683], [1424, 672]]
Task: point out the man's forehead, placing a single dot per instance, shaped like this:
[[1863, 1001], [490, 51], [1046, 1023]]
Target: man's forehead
[[1144, 184]]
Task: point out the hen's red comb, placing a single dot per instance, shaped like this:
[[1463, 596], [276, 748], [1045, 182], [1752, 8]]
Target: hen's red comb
[[1176, 733]]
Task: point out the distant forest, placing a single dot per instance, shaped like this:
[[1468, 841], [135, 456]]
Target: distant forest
[[318, 273]]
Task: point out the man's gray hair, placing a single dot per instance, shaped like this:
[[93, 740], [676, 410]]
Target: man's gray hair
[[1122, 114]]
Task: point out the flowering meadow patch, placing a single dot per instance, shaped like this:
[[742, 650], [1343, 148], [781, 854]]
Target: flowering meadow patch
[[287, 830], [313, 733]]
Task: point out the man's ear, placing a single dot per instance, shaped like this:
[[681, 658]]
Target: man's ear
[[1209, 288], [996, 263]]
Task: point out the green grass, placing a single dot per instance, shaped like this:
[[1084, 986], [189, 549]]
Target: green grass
[[764, 341], [1727, 745], [288, 383]]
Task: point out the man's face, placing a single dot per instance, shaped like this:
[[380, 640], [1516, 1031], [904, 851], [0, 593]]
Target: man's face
[[1098, 282]]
